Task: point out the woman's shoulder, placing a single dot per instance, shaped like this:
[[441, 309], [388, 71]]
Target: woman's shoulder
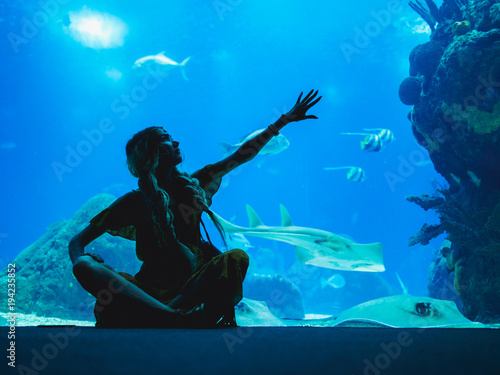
[[121, 213], [204, 172], [208, 175], [133, 197], [209, 179]]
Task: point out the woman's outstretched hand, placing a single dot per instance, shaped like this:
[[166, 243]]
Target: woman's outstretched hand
[[298, 112]]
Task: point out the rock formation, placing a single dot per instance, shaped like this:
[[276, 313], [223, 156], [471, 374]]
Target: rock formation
[[45, 284], [457, 119]]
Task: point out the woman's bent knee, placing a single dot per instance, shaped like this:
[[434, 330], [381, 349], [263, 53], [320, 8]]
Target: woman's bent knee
[[85, 267], [239, 255], [240, 258]]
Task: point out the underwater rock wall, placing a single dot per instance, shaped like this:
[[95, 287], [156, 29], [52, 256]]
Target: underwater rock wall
[[441, 280], [45, 284], [454, 87]]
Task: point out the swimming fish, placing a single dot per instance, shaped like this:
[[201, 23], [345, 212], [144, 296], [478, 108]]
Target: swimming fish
[[385, 135], [456, 178], [162, 60], [475, 180], [314, 246], [276, 145], [238, 241], [355, 174], [371, 143], [337, 281], [254, 313]]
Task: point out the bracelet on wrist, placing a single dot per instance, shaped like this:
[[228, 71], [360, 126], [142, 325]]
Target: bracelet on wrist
[[92, 256]]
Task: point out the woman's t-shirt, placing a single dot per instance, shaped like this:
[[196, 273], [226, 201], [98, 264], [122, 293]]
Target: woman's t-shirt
[[130, 217]]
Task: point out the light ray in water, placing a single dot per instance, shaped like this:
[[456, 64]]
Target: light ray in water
[[96, 30]]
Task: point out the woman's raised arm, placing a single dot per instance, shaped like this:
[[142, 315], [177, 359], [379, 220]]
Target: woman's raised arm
[[248, 150]]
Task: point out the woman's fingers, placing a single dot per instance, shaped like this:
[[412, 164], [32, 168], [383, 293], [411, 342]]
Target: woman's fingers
[[313, 103], [308, 96], [310, 99], [302, 106], [300, 96]]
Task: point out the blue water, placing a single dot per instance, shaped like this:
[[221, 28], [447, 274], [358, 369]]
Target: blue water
[[249, 61]]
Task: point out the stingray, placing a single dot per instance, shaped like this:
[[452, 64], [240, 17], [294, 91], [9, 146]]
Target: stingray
[[398, 312], [314, 246], [254, 313]]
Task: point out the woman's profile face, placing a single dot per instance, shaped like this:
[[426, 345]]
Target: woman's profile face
[[169, 149]]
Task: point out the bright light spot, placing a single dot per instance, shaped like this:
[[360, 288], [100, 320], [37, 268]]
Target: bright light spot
[[417, 25], [422, 28], [332, 92], [113, 73], [95, 29]]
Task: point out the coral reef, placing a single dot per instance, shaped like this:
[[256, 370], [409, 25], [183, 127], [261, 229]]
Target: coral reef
[[409, 90], [440, 283], [425, 58], [425, 201], [460, 28], [457, 119], [45, 284], [425, 234]]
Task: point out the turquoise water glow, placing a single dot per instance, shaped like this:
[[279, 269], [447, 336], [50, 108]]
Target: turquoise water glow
[[70, 100]]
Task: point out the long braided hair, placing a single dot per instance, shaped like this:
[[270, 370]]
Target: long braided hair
[[143, 159]]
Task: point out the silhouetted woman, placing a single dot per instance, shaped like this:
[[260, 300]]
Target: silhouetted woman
[[184, 281]]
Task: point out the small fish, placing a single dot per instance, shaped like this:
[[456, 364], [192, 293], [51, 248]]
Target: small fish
[[276, 145], [385, 135], [456, 178], [355, 174], [476, 180], [371, 143], [238, 241], [337, 281], [161, 59]]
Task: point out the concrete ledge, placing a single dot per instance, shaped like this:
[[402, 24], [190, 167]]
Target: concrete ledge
[[252, 350]]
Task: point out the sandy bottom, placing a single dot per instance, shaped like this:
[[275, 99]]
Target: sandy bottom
[[26, 320]]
